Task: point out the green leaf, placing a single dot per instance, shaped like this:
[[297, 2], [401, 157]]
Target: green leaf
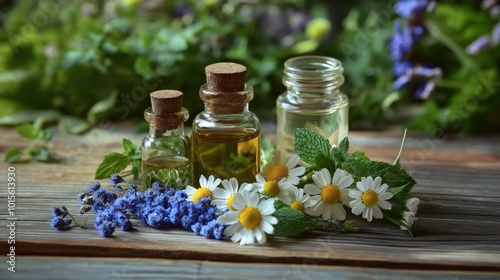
[[308, 145], [45, 135], [42, 154], [26, 116], [128, 147], [291, 222], [112, 163], [142, 67], [27, 130], [360, 155], [13, 155], [73, 125], [391, 174], [100, 109], [344, 145]]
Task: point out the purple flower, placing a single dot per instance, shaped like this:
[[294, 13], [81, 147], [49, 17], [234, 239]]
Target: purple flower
[[116, 179], [60, 223], [425, 90], [59, 211], [105, 222], [478, 45], [495, 34], [94, 187], [401, 67], [495, 11], [410, 8], [403, 39]]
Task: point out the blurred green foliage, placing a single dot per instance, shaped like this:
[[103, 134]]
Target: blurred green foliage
[[76, 62]]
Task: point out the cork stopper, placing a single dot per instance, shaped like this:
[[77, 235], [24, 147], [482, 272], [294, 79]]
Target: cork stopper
[[226, 77], [166, 104], [225, 91]]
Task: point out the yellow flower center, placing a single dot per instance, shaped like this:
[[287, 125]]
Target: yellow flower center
[[250, 217], [201, 193], [229, 201], [330, 194], [370, 198], [297, 205], [271, 188], [277, 173]]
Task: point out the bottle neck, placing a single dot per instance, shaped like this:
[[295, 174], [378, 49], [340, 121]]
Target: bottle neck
[[313, 77], [226, 103], [167, 124]]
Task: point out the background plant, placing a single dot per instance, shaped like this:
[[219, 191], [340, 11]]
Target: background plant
[[75, 62]]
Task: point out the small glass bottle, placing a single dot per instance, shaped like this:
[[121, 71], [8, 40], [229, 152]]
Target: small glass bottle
[[313, 100], [226, 136], [166, 151]]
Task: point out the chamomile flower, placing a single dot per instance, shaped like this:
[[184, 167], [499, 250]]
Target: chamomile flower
[[224, 197], [205, 190], [300, 201], [278, 169], [369, 198], [408, 218], [412, 204], [279, 190], [251, 219], [330, 193]]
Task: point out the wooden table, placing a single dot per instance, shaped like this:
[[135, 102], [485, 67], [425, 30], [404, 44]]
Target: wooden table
[[457, 235]]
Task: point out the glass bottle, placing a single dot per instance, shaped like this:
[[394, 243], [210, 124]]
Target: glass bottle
[[313, 100], [226, 136], [166, 151]]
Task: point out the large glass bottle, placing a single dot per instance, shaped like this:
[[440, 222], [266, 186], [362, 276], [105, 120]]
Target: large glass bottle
[[166, 151], [226, 136], [313, 100]]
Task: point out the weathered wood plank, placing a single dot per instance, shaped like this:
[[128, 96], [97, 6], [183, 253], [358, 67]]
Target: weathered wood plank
[[137, 268], [458, 226]]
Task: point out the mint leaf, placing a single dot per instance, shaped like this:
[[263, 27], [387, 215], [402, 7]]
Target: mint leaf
[[290, 222], [13, 155], [42, 154], [112, 163], [128, 147], [308, 145], [45, 135], [100, 109], [73, 125], [360, 155], [27, 130], [344, 145], [391, 174]]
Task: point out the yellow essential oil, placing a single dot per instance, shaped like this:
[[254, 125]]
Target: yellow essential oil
[[226, 136]]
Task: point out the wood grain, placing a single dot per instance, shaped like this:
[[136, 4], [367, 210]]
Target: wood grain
[[458, 227]]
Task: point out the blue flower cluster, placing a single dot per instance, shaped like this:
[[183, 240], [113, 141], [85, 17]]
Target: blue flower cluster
[[401, 46], [158, 207], [486, 41], [59, 220]]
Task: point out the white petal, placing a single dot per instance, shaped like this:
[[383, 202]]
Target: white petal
[[270, 219], [362, 185], [190, 190], [312, 189], [267, 207], [267, 227], [384, 204], [355, 194], [383, 188], [238, 201], [357, 207], [294, 180], [234, 184], [215, 184], [377, 214], [220, 193], [258, 234], [385, 196], [368, 214], [297, 171], [203, 181], [229, 218], [376, 183], [327, 212], [263, 239], [253, 199], [338, 212], [246, 186], [292, 161], [230, 230], [260, 179]]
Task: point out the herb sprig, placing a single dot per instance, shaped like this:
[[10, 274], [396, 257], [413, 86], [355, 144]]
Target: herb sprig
[[36, 150]]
